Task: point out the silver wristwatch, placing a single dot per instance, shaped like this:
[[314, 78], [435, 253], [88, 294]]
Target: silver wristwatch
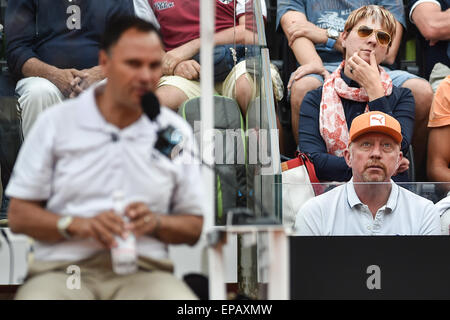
[[63, 224], [332, 33]]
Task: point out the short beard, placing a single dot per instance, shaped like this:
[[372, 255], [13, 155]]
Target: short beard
[[377, 178], [370, 178]]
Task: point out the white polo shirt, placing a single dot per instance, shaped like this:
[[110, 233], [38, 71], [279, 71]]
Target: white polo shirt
[[442, 208], [340, 212], [75, 160]]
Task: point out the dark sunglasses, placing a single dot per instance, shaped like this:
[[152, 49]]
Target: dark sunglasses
[[383, 37]]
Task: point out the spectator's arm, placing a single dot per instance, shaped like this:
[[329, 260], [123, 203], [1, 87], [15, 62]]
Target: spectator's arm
[[295, 25], [172, 58], [34, 67], [432, 23], [439, 154], [302, 47], [89, 77], [328, 167], [396, 42], [438, 162], [61, 78], [238, 35], [398, 11], [20, 33], [189, 69]]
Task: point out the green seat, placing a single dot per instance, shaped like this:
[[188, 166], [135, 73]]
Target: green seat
[[230, 151]]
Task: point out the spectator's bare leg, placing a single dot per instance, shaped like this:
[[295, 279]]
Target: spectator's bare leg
[[439, 156], [171, 96], [298, 91], [244, 92], [280, 131], [423, 96]]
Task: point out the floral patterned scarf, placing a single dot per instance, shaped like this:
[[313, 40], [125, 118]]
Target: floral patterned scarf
[[332, 124]]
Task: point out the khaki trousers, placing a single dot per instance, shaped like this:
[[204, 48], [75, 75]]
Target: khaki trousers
[[93, 278], [35, 95]]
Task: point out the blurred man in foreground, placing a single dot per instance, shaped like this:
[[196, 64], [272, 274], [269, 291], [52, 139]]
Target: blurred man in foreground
[[92, 148]]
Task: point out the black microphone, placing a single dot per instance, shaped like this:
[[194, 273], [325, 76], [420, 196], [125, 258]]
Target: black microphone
[[150, 105], [114, 137], [168, 139]]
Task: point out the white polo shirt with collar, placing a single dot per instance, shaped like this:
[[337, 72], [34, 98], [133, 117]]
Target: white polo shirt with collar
[[75, 161], [340, 212], [443, 209]]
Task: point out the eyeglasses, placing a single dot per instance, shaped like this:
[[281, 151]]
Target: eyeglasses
[[383, 37]]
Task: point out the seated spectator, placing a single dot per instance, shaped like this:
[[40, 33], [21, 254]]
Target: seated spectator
[[314, 30], [439, 124], [358, 85], [432, 18], [52, 49], [371, 203], [180, 26]]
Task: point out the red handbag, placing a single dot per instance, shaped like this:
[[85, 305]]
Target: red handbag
[[300, 183]]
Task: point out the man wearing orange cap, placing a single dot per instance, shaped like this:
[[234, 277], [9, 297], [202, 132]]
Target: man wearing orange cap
[[371, 203]]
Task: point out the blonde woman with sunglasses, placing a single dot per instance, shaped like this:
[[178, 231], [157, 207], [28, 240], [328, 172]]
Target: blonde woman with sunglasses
[[357, 86], [314, 30]]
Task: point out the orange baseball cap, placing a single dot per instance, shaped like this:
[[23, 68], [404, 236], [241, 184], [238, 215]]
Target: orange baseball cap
[[376, 121]]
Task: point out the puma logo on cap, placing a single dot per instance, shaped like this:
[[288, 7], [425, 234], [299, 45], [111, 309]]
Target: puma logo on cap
[[377, 120]]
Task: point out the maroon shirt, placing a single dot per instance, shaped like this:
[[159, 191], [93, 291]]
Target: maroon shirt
[[180, 19]]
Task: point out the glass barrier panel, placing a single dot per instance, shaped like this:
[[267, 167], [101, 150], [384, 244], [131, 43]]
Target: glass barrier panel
[[262, 165], [262, 135]]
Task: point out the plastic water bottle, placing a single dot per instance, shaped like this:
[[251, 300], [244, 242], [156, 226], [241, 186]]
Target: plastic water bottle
[[124, 255]]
